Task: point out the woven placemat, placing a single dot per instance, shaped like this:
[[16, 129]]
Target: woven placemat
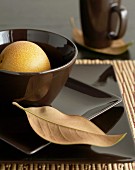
[[125, 73]]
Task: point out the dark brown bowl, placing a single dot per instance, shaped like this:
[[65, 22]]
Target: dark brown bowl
[[40, 88]]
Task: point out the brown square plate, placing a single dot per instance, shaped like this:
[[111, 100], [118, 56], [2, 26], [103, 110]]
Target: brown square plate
[[89, 87]]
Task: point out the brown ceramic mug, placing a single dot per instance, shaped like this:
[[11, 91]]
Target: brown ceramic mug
[[98, 24]]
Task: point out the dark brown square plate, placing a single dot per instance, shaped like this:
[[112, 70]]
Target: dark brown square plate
[[89, 87], [75, 98]]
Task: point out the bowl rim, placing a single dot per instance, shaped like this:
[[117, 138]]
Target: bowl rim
[[48, 71]]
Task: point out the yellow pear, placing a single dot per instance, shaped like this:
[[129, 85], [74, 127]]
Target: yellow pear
[[24, 56]]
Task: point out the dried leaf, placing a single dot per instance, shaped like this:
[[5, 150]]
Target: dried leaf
[[117, 47], [56, 127]]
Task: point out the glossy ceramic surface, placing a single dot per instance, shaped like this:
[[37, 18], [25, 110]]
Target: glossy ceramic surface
[[85, 100], [102, 23], [37, 88], [113, 121]]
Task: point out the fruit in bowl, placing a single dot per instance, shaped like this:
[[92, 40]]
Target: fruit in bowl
[[24, 56], [37, 87]]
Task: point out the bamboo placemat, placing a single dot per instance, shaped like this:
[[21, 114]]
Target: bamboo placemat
[[125, 73]]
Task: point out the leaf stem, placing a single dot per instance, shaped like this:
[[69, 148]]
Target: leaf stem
[[16, 104], [26, 110], [72, 22]]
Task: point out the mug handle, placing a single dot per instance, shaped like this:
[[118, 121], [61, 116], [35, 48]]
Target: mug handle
[[122, 14]]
